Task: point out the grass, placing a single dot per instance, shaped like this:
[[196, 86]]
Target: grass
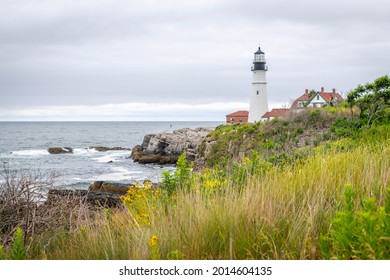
[[277, 214]]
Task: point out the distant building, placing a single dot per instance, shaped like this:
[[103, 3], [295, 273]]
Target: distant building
[[307, 100], [275, 113], [237, 117], [316, 99]]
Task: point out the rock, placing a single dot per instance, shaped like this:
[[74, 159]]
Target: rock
[[60, 150], [136, 153], [165, 148], [157, 159], [100, 193], [105, 149], [75, 197], [115, 188], [147, 138]]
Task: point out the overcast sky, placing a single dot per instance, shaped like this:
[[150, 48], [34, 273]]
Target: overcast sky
[[180, 60]]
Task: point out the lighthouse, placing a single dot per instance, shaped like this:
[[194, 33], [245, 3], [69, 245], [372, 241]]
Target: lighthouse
[[259, 101]]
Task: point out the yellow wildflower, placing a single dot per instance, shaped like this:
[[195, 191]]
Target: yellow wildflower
[[153, 241]]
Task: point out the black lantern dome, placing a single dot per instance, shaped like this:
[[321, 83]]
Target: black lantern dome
[[259, 61]]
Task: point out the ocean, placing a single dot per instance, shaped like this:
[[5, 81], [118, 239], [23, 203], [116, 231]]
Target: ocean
[[23, 148]]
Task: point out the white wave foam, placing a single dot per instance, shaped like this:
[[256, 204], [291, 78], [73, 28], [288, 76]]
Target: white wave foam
[[118, 174], [124, 170], [31, 153], [111, 156], [114, 176], [85, 151], [77, 179]]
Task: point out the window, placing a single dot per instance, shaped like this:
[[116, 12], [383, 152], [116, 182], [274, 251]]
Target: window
[[318, 97], [259, 58], [257, 92], [240, 119]]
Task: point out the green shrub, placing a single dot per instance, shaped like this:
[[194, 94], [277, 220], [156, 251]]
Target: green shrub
[[18, 251], [343, 127], [180, 179], [373, 101], [247, 167], [175, 255], [2, 253], [359, 234]]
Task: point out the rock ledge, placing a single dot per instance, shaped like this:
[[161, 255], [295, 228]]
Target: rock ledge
[[165, 148]]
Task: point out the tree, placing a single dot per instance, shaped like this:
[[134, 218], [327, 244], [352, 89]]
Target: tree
[[373, 100]]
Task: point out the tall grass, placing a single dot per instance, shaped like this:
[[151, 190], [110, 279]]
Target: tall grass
[[279, 214]]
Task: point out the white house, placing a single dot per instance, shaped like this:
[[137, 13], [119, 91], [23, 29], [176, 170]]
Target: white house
[[316, 99]]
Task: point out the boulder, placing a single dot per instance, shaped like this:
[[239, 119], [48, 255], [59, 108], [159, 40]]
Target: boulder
[[158, 159], [60, 150], [115, 188], [75, 197], [136, 153], [165, 148]]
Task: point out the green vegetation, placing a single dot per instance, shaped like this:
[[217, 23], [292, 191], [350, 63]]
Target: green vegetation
[[18, 252], [278, 142], [314, 186], [180, 179], [373, 101], [362, 234], [2, 253], [17, 248]]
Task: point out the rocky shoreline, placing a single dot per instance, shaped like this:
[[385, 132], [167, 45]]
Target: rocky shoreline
[[161, 148], [165, 148]]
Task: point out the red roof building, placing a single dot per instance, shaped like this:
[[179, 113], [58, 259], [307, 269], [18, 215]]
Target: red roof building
[[317, 99], [237, 117], [275, 113]]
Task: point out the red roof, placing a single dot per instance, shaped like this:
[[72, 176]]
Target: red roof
[[327, 95], [276, 112], [238, 114], [303, 97]]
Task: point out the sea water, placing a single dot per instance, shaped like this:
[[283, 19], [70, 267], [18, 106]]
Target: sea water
[[23, 148]]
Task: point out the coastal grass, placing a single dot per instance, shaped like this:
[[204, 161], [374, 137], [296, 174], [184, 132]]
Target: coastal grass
[[281, 213]]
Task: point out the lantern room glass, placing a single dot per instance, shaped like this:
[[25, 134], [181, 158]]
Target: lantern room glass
[[259, 58]]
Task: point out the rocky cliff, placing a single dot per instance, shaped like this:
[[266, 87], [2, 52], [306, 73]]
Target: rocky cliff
[[165, 148]]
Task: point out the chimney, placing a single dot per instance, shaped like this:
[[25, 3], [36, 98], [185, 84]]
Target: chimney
[[306, 91], [322, 89], [334, 90]]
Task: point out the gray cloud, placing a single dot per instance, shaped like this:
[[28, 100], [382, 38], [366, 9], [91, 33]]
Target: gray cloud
[[60, 53]]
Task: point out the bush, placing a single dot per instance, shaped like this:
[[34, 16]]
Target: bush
[[180, 179], [343, 127], [20, 194], [140, 200], [373, 101], [2, 253], [18, 251], [247, 167], [363, 234]]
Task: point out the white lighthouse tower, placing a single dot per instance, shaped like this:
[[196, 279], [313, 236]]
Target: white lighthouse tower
[[259, 100]]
